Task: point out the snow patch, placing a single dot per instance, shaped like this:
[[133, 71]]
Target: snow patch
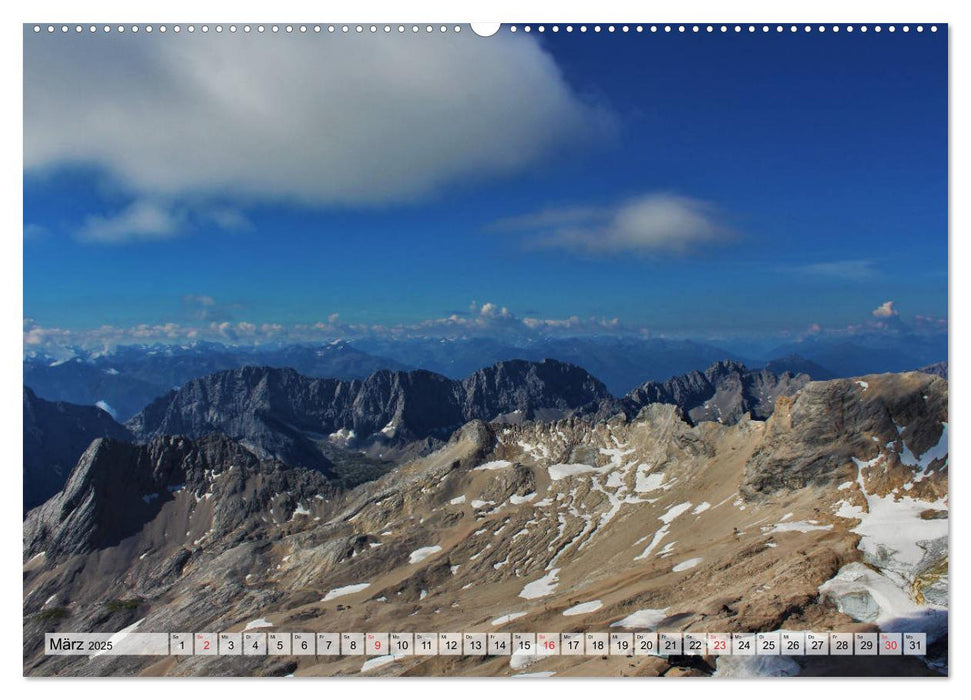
[[673, 512], [518, 661], [655, 541], [643, 619], [509, 617], [541, 587], [561, 471], [687, 564], [645, 481], [379, 661], [496, 464], [516, 500], [257, 624], [584, 608], [344, 590], [423, 553], [797, 526]]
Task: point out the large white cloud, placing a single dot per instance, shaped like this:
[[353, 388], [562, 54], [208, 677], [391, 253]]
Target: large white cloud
[[314, 118]]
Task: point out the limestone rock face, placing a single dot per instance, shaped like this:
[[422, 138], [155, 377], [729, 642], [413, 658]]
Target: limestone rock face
[[814, 438], [119, 490], [724, 392]]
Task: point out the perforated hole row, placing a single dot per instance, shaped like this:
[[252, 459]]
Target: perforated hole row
[[247, 28], [724, 28], [441, 29]]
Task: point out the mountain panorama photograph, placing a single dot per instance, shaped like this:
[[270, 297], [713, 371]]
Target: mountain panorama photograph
[[548, 350]]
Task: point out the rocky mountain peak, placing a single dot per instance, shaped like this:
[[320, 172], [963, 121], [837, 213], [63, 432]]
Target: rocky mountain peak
[[724, 393], [56, 433]]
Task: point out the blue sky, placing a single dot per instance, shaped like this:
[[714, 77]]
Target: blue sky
[[690, 185]]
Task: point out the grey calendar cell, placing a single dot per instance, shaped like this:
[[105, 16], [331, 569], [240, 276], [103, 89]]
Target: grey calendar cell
[[304, 644], [352, 644], [230, 644], [180, 644], [279, 644], [254, 644], [865, 643], [328, 644]]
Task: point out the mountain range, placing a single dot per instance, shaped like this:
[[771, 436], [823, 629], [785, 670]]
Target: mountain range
[[620, 362], [830, 514], [300, 420], [355, 431], [126, 379]]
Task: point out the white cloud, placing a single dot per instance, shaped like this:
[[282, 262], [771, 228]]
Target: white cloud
[[321, 120], [150, 219], [841, 269], [886, 310], [651, 224], [489, 319], [140, 220], [490, 310]]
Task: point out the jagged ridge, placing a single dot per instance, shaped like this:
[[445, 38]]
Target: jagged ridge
[[282, 413], [725, 392]]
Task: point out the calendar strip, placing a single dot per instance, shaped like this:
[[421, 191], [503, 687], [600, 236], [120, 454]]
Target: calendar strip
[[259, 643]]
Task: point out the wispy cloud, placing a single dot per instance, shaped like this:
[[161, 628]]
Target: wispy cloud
[[35, 232], [203, 307], [850, 270], [151, 219], [651, 224], [141, 220], [552, 218]]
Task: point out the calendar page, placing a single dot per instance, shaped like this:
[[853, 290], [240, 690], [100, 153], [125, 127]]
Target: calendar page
[[513, 350]]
